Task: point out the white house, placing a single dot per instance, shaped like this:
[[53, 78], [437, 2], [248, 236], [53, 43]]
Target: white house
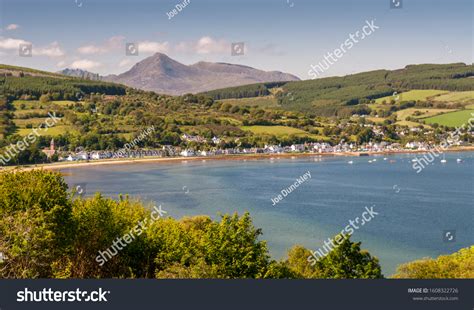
[[297, 147], [216, 140], [82, 156], [187, 153], [71, 158]]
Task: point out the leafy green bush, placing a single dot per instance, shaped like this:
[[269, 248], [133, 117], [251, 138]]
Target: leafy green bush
[[457, 265]]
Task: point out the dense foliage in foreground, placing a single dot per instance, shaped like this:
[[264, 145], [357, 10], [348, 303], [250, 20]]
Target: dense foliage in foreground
[[457, 265], [48, 232], [45, 232]]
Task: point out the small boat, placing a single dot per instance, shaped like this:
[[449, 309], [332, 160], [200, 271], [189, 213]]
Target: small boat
[[443, 161], [370, 161], [350, 162], [375, 159], [385, 158], [459, 160], [414, 160]]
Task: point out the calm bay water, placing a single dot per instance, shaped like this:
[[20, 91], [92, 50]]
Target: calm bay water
[[414, 209]]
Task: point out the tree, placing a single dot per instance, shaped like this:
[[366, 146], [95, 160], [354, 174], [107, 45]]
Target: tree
[[45, 98], [346, 261], [35, 222], [457, 265], [365, 135]]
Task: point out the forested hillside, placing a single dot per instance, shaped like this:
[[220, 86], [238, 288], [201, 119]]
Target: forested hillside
[[16, 82], [324, 95]]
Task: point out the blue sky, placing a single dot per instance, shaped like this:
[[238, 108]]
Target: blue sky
[[284, 35]]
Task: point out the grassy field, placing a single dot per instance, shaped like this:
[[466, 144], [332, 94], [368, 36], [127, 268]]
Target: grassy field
[[280, 131], [65, 102], [53, 131], [452, 119], [273, 130], [456, 97], [410, 124], [22, 113], [26, 107], [376, 119], [403, 114], [21, 123], [262, 102], [231, 121], [413, 95]]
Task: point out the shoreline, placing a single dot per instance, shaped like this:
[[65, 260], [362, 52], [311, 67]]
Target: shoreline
[[62, 165]]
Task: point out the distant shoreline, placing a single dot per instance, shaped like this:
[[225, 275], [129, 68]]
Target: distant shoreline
[[65, 165]]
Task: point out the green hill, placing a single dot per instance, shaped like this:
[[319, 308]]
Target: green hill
[[19, 81], [326, 96]]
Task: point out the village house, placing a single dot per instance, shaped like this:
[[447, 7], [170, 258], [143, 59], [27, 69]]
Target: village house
[[297, 148], [187, 153]]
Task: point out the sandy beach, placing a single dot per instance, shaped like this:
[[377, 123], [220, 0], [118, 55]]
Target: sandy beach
[[158, 160]]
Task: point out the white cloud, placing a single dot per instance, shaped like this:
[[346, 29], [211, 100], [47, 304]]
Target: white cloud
[[153, 47], [205, 45], [52, 50], [12, 27], [11, 44], [112, 43], [85, 64], [89, 49]]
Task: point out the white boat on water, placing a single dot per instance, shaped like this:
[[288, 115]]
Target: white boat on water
[[385, 158], [370, 161], [443, 161], [459, 160], [350, 162], [375, 159]]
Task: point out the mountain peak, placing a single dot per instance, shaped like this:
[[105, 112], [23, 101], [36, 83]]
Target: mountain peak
[[162, 74], [161, 56], [84, 74]]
